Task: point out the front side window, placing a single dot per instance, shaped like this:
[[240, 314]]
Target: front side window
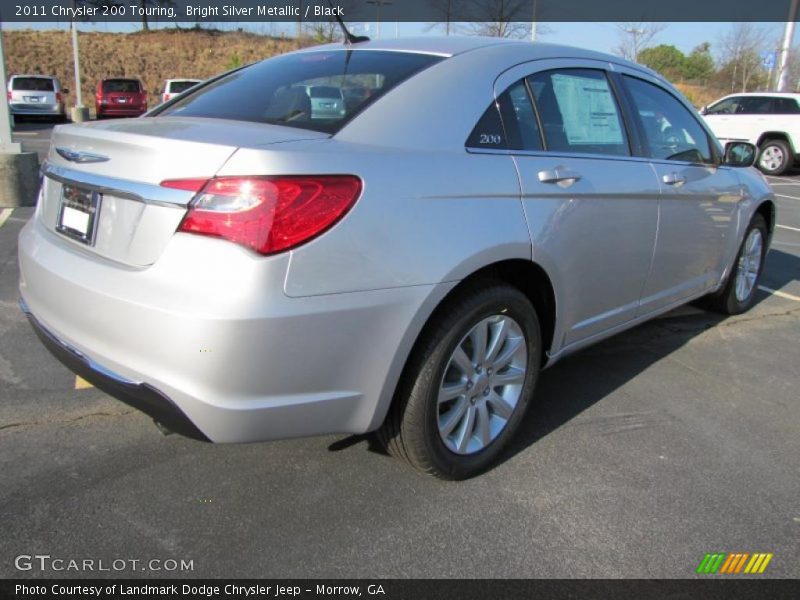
[[729, 106], [579, 112], [320, 91], [671, 132]]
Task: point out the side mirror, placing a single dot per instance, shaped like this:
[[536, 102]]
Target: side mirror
[[704, 110], [739, 154]]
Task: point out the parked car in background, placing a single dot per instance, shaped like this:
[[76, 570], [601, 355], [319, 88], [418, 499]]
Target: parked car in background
[[243, 269], [770, 120], [173, 87], [36, 95], [119, 97], [327, 101]]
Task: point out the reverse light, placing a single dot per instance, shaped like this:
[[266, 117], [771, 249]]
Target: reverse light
[[267, 214]]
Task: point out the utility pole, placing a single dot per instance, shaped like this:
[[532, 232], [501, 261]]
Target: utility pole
[[786, 47], [6, 143]]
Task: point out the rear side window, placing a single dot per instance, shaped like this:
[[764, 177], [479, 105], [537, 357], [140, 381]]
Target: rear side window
[[33, 84], [128, 86], [671, 131], [508, 124], [785, 106], [278, 90], [755, 105], [579, 112], [176, 87]]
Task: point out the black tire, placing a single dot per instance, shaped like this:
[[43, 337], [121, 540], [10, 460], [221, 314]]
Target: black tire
[[726, 301], [410, 431], [774, 147]]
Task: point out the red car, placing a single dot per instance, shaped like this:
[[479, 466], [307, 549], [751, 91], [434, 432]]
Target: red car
[[120, 98]]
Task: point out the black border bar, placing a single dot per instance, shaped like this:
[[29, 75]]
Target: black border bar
[[412, 589], [429, 11]]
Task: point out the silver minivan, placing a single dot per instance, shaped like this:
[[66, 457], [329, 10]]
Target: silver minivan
[[36, 95], [242, 268]]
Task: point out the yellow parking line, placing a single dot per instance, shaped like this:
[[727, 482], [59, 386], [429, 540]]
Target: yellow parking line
[[4, 214], [82, 384]]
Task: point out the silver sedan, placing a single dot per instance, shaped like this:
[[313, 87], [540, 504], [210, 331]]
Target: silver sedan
[[242, 268]]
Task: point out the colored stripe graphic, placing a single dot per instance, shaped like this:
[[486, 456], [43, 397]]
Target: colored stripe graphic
[[733, 563], [711, 563]]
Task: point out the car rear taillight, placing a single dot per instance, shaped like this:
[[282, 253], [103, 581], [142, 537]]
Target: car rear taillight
[[58, 97], [267, 214], [9, 95]]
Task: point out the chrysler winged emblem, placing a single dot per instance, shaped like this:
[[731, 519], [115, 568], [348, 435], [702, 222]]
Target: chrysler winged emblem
[[80, 157]]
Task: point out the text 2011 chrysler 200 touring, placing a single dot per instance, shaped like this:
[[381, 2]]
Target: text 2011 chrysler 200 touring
[[244, 269]]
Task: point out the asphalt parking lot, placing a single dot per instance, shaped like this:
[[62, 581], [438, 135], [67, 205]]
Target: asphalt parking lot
[[640, 455]]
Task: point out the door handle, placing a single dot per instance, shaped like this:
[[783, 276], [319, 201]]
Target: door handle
[[561, 176], [674, 179]]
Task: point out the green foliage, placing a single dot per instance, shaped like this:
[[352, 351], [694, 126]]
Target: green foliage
[[666, 59], [234, 63], [699, 64]]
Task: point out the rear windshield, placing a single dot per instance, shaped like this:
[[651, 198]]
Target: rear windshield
[[176, 87], [121, 85], [33, 84], [279, 90]]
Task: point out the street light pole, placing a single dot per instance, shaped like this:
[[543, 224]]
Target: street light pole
[[786, 47], [635, 32]]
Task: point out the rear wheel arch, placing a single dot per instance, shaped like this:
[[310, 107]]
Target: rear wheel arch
[[529, 277]]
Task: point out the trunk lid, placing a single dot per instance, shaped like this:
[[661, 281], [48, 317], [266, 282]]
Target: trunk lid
[[101, 190]]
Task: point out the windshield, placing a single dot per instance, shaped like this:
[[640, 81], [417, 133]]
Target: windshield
[[279, 90], [33, 84]]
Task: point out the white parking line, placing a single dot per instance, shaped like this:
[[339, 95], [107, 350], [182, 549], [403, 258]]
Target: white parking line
[[780, 294], [785, 196], [4, 214], [789, 228]]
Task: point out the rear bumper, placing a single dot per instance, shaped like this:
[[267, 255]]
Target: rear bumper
[[138, 395], [44, 110], [119, 111], [206, 341]]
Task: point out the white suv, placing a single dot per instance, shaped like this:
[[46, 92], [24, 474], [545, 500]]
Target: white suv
[[770, 120], [173, 87]]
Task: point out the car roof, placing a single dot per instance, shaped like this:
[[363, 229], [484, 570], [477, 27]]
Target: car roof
[[453, 45], [36, 76], [794, 95], [172, 80]]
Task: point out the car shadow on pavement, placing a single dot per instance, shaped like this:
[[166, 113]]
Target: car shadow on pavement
[[583, 379]]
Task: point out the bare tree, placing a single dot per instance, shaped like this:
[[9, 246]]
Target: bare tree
[[145, 4], [740, 55], [500, 18], [328, 31], [443, 9], [634, 36]]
